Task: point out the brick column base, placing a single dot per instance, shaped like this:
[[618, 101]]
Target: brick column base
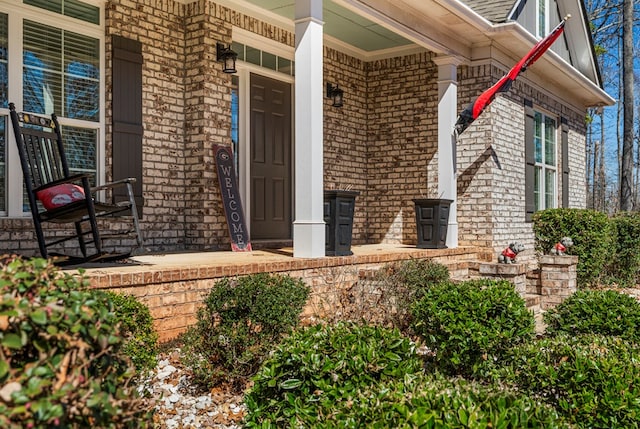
[[515, 273], [558, 279]]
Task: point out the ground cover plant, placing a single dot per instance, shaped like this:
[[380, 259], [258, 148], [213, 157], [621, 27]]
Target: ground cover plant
[[591, 380], [61, 359], [241, 320], [352, 376]]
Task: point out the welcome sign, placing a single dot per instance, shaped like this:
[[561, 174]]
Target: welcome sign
[[231, 200]]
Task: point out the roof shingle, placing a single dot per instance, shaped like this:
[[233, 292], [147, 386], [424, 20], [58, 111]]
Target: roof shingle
[[495, 11]]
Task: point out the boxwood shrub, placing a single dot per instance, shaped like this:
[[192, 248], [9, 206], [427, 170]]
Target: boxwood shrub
[[467, 323], [604, 312], [591, 380], [592, 233], [323, 368], [61, 363], [241, 320]]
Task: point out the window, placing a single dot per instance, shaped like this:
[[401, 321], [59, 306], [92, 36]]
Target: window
[[55, 66], [542, 18], [545, 170]]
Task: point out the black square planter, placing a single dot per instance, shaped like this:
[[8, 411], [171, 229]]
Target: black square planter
[[339, 207], [432, 219]]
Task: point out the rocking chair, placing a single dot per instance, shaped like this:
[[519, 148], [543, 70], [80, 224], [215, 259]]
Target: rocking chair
[[56, 196]]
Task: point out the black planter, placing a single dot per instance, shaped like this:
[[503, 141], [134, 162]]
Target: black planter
[[432, 218], [338, 217]]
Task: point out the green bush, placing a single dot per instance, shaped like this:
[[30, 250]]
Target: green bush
[[625, 265], [605, 312], [241, 320], [437, 402], [593, 381], [467, 323], [592, 234], [323, 367], [141, 340], [405, 283], [61, 363]]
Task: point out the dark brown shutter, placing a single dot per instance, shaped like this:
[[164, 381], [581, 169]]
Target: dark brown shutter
[[530, 161], [127, 114], [564, 127]]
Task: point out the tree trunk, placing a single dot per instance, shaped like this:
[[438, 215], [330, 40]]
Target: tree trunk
[[626, 178]]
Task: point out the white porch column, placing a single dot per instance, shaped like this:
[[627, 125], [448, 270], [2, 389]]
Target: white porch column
[[447, 115], [308, 226]]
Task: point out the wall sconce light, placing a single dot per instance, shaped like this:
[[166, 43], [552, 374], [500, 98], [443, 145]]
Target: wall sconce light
[[227, 56], [335, 93]]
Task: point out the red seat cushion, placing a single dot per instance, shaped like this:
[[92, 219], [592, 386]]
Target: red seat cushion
[[60, 195]]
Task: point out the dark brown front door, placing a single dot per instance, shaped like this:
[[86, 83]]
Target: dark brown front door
[[270, 159]]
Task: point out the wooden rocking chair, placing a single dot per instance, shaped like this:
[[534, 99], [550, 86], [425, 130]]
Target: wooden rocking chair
[[56, 196]]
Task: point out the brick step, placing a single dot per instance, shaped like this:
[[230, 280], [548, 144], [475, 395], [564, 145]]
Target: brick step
[[532, 300]]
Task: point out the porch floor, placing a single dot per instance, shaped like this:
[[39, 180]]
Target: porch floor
[[228, 263]]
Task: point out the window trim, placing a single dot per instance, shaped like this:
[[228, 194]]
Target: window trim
[[17, 12], [542, 32], [542, 165]]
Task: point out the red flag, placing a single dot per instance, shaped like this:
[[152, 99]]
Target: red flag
[[474, 109]]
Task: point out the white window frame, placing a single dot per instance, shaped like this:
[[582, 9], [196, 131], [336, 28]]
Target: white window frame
[[18, 12], [542, 166], [542, 32]]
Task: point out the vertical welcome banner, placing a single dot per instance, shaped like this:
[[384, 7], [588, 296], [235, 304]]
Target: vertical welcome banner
[[231, 199]]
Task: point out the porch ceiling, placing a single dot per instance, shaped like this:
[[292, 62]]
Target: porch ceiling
[[343, 25]]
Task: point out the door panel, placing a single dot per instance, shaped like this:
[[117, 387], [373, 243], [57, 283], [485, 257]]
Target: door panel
[[270, 158]]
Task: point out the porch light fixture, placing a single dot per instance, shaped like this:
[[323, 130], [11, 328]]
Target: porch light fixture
[[335, 93], [227, 56]]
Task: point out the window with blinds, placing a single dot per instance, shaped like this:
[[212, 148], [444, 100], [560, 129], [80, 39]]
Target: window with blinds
[[71, 8], [61, 72]]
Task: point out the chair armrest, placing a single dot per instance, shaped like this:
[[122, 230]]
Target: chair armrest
[[114, 184], [70, 179]]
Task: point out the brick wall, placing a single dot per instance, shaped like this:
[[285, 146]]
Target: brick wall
[[345, 138], [402, 144], [158, 25], [491, 210]]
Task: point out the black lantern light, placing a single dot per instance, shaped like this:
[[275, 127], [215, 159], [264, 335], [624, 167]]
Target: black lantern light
[[227, 56], [335, 93]]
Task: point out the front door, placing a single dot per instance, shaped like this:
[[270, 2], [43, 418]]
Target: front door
[[270, 152]]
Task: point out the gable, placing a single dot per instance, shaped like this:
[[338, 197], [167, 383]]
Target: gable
[[575, 46]]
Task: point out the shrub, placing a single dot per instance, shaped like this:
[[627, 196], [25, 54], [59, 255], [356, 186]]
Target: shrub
[[625, 265], [592, 236], [472, 321], [141, 340], [437, 402], [405, 283], [241, 320], [603, 312], [323, 367], [594, 381], [61, 364]]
